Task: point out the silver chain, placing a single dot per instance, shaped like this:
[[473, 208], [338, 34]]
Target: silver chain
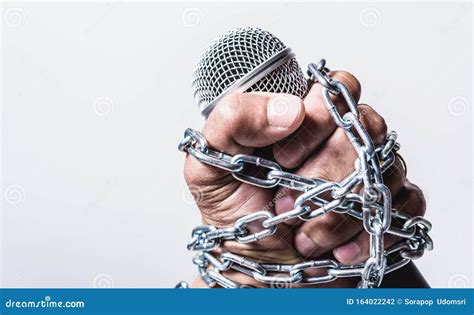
[[375, 201]]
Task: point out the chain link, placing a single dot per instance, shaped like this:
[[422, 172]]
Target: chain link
[[374, 200]]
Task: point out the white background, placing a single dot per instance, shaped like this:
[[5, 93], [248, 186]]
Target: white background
[[96, 96]]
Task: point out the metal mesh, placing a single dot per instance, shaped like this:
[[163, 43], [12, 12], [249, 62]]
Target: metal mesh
[[233, 54]]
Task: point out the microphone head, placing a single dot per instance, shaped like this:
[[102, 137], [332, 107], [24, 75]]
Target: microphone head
[[245, 60]]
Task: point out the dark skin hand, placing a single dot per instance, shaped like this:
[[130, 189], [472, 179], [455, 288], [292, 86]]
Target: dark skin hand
[[301, 136]]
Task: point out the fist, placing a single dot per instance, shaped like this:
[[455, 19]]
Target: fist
[[302, 137]]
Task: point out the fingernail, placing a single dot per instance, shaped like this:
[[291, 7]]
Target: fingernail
[[347, 253], [283, 110], [304, 245]]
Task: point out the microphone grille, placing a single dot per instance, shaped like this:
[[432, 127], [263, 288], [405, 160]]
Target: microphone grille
[[234, 54]]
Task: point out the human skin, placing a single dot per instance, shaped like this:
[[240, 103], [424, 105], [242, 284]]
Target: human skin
[[300, 135]]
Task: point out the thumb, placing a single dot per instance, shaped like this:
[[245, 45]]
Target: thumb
[[242, 122]]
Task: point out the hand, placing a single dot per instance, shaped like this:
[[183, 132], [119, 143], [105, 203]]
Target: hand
[[301, 136]]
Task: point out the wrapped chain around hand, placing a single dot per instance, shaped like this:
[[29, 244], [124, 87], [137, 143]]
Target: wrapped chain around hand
[[374, 199]]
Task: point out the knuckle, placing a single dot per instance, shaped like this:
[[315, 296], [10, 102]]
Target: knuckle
[[350, 81], [395, 175], [320, 173], [415, 203], [373, 122], [418, 200]]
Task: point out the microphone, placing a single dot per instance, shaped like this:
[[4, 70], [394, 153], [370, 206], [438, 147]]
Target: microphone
[[245, 60]]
